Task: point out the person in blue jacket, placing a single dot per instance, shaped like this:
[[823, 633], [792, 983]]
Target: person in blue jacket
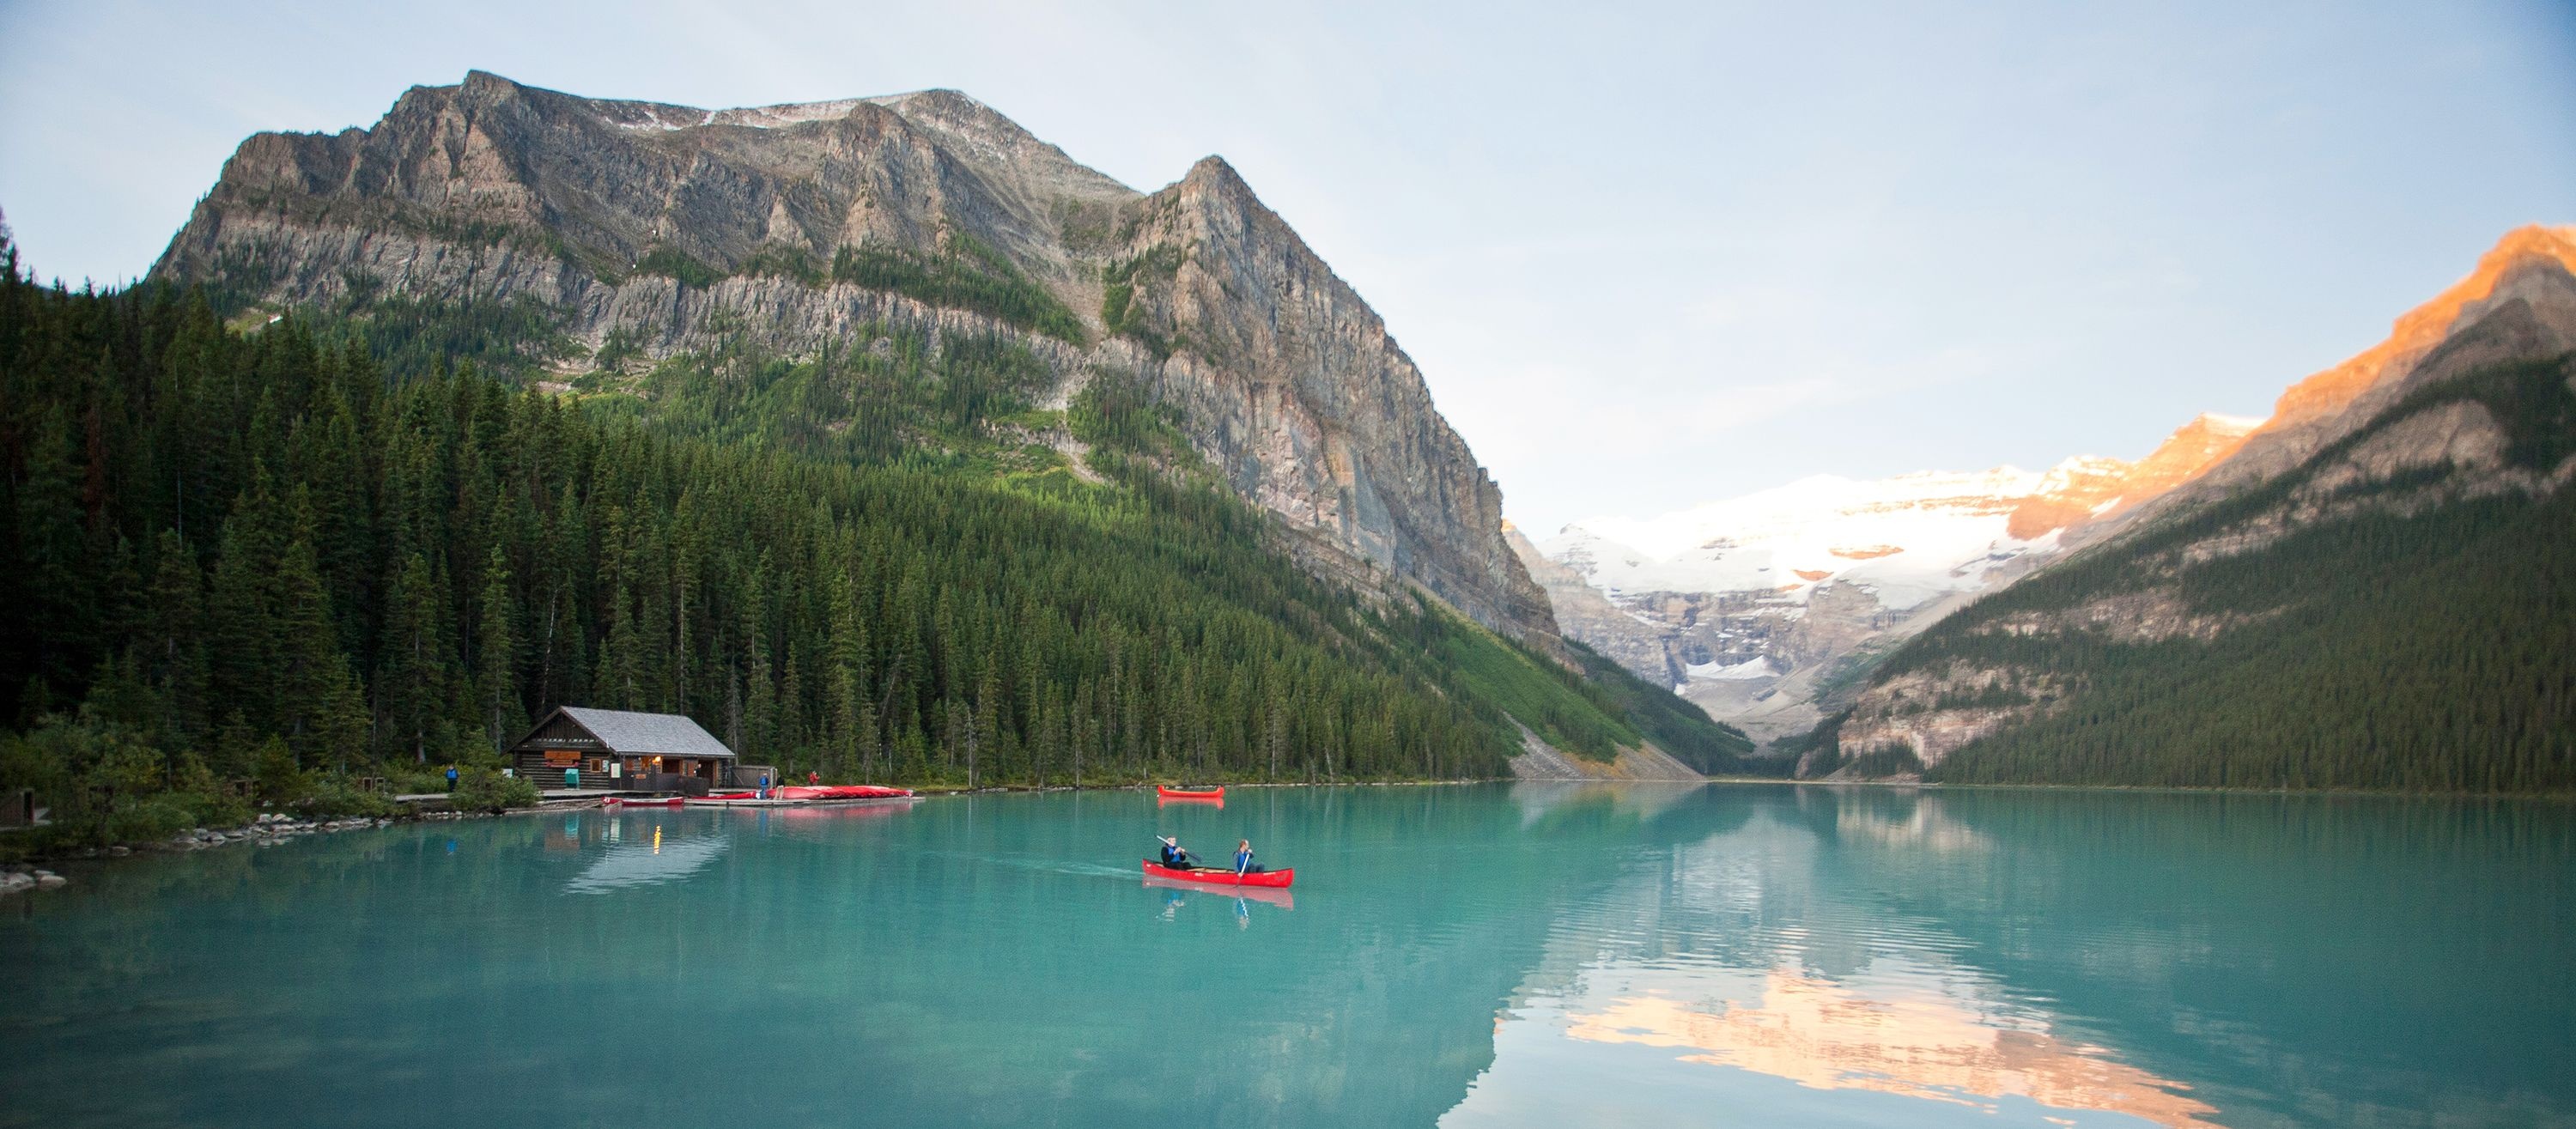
[[1243, 858], [1173, 856]]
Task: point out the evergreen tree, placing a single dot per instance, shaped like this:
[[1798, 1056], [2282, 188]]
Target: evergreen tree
[[411, 692], [171, 625], [498, 649], [52, 556], [241, 626], [310, 665]]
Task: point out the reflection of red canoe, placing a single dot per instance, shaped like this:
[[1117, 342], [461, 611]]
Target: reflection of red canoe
[[1280, 898], [834, 803], [1219, 876], [836, 792], [847, 810], [1186, 794]]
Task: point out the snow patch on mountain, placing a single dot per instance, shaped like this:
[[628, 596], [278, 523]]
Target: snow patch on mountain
[[1755, 606], [1756, 667], [1906, 539]]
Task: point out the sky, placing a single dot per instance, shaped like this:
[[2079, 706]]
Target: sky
[[1645, 255]]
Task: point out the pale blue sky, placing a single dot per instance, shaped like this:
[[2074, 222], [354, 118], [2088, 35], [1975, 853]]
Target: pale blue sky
[[1646, 256]]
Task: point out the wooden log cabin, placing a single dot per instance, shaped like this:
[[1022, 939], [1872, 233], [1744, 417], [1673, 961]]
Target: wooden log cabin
[[619, 749]]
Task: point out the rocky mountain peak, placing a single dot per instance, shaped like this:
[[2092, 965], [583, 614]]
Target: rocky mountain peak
[[2426, 325], [1213, 173], [2089, 487], [687, 231], [2519, 301], [2191, 449]]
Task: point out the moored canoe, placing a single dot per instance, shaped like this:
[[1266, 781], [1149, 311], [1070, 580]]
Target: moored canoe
[[1217, 793], [836, 792]]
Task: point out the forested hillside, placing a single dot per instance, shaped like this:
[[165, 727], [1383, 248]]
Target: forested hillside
[[234, 554], [2397, 613]]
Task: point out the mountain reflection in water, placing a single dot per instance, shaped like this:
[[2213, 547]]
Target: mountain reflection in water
[[1898, 1037], [1894, 957]]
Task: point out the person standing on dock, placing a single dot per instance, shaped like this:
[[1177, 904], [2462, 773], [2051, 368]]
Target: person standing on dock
[[763, 793], [451, 778]]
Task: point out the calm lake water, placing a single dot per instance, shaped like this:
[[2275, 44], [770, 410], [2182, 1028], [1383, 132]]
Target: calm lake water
[[1459, 956]]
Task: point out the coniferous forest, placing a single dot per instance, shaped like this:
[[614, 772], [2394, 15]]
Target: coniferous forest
[[286, 554]]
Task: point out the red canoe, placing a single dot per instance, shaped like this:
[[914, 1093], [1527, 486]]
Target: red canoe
[[1186, 794], [656, 802], [1220, 876], [836, 792]]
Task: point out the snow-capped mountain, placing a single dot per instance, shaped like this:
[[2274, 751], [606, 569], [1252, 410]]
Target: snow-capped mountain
[[1745, 605], [1905, 539]]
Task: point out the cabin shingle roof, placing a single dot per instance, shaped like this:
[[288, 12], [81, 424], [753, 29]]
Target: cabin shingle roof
[[667, 734]]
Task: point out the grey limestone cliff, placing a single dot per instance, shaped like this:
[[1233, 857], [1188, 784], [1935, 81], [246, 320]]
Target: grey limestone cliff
[[679, 229]]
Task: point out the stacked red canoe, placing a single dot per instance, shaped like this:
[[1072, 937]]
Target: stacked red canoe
[[837, 792]]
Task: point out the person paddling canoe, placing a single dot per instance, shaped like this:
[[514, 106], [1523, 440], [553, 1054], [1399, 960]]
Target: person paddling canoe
[[1243, 858], [1173, 855]]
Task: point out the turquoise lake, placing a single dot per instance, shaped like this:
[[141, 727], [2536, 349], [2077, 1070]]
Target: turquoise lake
[[1491, 955]]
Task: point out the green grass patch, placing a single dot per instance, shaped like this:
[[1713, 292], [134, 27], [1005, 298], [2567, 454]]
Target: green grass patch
[[1674, 723], [1120, 316], [1552, 701], [671, 262], [967, 275]]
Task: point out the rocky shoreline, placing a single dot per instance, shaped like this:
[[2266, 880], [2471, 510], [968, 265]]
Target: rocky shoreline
[[23, 877], [269, 829]]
